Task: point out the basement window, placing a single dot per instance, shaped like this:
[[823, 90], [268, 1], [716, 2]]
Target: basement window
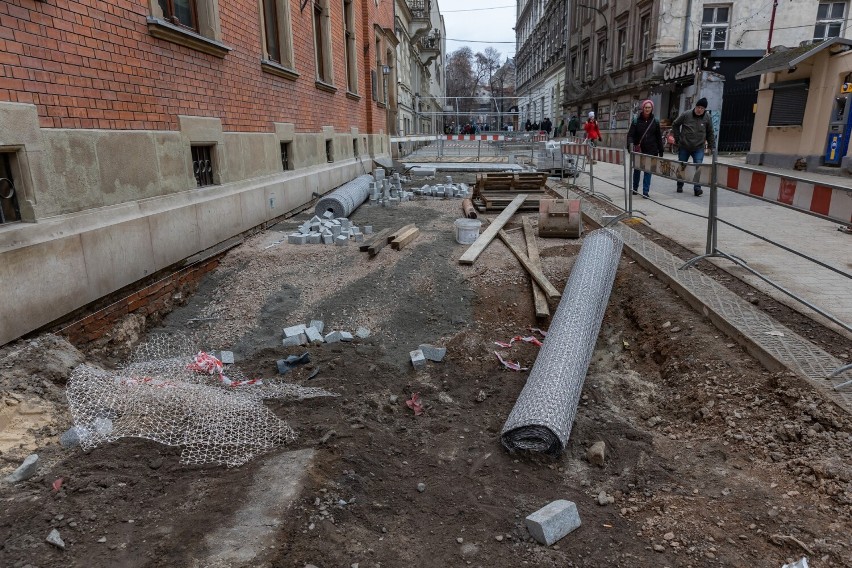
[[355, 150], [329, 151], [286, 156], [202, 165], [9, 209]]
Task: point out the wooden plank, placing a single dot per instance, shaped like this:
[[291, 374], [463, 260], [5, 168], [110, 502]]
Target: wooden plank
[[405, 238], [381, 235], [399, 231], [536, 273], [542, 310], [488, 235]]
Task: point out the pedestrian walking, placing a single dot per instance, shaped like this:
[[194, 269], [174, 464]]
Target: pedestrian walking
[[645, 137], [574, 125], [593, 131], [547, 126], [692, 130]]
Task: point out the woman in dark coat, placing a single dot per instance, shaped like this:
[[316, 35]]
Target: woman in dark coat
[[645, 137]]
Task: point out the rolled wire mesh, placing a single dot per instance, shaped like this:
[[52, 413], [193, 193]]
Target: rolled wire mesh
[[344, 200], [544, 412], [161, 396]]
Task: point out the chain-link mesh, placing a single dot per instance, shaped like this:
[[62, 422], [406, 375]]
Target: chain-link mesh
[[346, 198], [544, 412], [167, 394]]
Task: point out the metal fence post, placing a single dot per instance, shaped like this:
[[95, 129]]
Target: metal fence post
[[628, 169], [712, 226], [479, 151], [590, 154]]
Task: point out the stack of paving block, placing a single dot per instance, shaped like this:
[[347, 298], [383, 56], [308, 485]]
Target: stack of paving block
[[312, 333], [448, 189], [494, 191], [328, 230], [388, 192]]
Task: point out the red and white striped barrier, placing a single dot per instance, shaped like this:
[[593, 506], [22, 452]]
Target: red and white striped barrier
[[690, 173], [831, 202], [539, 137], [423, 138], [608, 155], [575, 149], [475, 137]]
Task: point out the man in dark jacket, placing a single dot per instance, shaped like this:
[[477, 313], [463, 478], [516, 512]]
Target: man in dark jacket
[[547, 126], [645, 137], [692, 130]]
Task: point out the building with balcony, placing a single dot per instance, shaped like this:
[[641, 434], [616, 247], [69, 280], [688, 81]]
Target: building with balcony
[[134, 135], [421, 57]]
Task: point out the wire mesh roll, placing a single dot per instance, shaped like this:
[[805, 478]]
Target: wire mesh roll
[[344, 200], [544, 412]]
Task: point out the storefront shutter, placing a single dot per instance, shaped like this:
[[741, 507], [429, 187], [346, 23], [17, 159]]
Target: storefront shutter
[[788, 103]]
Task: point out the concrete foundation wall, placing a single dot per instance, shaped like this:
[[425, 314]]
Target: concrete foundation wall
[[103, 209]]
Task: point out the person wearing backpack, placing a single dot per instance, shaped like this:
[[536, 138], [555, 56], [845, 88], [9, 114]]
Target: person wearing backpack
[[645, 137], [574, 125], [692, 130]]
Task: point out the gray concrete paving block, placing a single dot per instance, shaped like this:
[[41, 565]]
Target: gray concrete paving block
[[333, 337], [368, 229], [335, 230], [318, 324], [327, 239], [328, 215], [313, 335], [305, 228], [297, 239], [346, 336], [341, 240], [294, 330], [56, 540], [417, 359], [295, 340], [227, 357], [433, 353], [25, 471], [359, 238], [315, 219], [345, 223], [362, 332], [314, 239], [421, 171], [72, 436], [553, 521]]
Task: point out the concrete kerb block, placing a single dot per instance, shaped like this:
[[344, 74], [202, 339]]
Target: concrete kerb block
[[553, 521], [314, 335], [294, 330], [333, 337], [433, 353], [295, 340], [319, 325], [346, 336], [418, 361]]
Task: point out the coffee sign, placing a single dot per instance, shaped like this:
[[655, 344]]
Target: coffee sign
[[674, 71]]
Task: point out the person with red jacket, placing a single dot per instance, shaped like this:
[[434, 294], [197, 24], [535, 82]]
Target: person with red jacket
[[593, 131]]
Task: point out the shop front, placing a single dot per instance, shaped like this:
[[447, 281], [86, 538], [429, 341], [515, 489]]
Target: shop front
[[712, 75]]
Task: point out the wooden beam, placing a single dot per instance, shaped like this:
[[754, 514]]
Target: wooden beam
[[488, 235], [380, 236], [536, 273], [542, 310], [405, 238], [400, 231]]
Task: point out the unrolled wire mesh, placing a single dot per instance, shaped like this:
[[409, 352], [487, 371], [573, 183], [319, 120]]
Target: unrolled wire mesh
[[164, 395], [542, 417], [344, 200]]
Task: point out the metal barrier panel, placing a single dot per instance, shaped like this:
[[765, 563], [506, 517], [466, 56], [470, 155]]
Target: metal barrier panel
[[608, 155], [475, 137], [699, 174], [823, 200]]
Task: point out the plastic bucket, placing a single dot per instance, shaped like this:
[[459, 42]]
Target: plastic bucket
[[467, 230]]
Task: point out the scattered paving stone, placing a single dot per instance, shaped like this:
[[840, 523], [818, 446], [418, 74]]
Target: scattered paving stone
[[25, 471], [362, 332], [319, 325], [421, 487], [72, 436], [56, 540], [553, 521], [333, 337], [346, 336], [227, 357], [433, 353], [597, 454], [314, 335], [417, 359]]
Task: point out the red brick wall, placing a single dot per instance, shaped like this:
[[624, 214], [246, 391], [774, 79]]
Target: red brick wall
[[93, 64]]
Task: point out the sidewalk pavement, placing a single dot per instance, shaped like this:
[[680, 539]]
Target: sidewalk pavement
[[805, 233]]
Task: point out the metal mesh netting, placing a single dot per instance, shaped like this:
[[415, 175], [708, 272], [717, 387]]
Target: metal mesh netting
[[168, 395], [346, 198], [544, 412]]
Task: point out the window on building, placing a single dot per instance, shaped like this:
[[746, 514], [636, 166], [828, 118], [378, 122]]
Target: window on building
[[573, 65], [329, 151], [351, 53], [180, 12], [379, 91], [322, 45], [714, 27], [622, 46], [829, 20], [202, 165], [644, 37], [286, 156], [584, 62], [9, 210], [277, 36], [601, 56]]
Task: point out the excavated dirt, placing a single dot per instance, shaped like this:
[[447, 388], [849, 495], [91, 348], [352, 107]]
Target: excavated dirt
[[710, 459]]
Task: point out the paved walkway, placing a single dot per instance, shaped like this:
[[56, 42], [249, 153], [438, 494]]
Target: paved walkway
[[810, 235]]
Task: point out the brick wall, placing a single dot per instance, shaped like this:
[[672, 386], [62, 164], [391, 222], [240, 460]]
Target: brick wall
[[94, 64]]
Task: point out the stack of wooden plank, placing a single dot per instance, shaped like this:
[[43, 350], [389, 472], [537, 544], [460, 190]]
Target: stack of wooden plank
[[494, 191], [396, 239]]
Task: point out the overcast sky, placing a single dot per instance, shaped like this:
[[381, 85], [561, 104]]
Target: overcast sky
[[479, 24]]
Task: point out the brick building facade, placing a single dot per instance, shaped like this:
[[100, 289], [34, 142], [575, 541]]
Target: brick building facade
[[134, 134]]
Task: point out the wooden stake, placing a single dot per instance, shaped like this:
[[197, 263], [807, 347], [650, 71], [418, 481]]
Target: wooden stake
[[536, 273], [488, 235], [542, 310]]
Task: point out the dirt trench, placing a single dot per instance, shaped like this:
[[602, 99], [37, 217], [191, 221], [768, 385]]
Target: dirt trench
[[710, 460]]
